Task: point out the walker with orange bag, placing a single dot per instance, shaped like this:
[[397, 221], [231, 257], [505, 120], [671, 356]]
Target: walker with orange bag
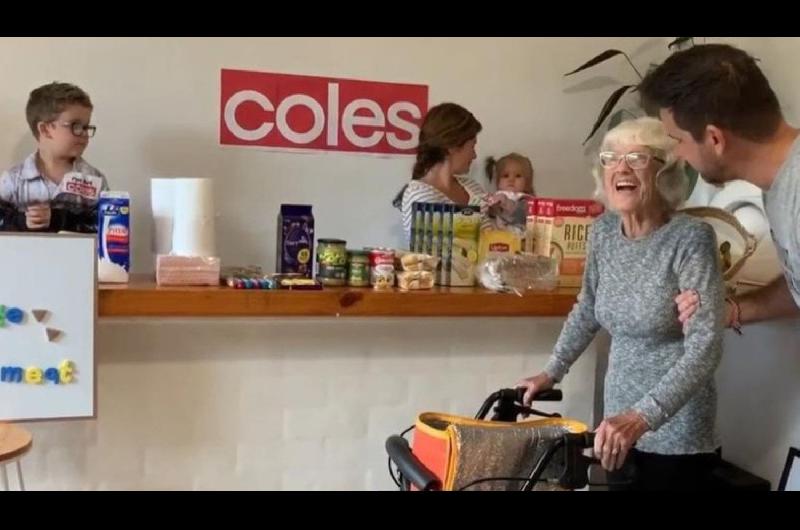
[[454, 453]]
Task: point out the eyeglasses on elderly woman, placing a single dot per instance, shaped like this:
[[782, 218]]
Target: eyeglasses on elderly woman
[[635, 160]]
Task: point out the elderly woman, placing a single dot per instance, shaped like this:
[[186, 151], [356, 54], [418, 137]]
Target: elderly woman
[[659, 392]]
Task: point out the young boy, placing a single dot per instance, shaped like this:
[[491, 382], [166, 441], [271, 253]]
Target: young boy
[[54, 189]]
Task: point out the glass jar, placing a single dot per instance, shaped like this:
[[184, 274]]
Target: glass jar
[[332, 262]]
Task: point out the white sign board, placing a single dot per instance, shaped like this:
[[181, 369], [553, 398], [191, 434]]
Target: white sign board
[[47, 318]]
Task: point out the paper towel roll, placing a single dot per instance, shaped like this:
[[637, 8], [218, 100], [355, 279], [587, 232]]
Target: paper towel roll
[[193, 225], [162, 200]]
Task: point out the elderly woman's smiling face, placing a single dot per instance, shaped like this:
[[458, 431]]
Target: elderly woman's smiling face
[[629, 177]]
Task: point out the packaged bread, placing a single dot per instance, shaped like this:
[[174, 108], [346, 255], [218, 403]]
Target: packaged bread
[[414, 280], [413, 261]]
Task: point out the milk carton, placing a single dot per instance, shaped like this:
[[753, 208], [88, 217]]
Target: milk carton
[[113, 231]]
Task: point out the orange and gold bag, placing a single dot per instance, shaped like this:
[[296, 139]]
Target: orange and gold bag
[[461, 450]]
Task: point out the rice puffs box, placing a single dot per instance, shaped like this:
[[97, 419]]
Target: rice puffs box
[[560, 228]]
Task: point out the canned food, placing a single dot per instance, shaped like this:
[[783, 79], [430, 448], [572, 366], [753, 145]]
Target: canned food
[[381, 266], [332, 262], [358, 268]]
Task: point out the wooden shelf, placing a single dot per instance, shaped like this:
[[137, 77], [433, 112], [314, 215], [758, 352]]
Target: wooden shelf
[[143, 298]]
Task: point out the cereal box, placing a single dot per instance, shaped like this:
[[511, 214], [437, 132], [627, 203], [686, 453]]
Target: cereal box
[[560, 228]]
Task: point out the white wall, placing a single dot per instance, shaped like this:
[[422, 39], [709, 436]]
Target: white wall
[[193, 404], [157, 111], [295, 404], [759, 397], [759, 401], [778, 57], [201, 404]]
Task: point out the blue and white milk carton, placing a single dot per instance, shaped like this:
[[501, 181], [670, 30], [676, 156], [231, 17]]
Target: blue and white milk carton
[[113, 231]]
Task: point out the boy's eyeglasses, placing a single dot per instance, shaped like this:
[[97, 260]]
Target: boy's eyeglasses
[[79, 129]]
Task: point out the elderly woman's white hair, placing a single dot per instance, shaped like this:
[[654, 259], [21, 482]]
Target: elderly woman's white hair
[[671, 180]]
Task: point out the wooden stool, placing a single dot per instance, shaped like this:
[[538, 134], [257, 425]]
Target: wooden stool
[[15, 442]]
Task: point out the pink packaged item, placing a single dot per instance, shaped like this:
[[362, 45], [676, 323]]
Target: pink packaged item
[[187, 270]]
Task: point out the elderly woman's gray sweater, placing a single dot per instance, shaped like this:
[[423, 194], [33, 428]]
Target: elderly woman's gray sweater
[[654, 368]]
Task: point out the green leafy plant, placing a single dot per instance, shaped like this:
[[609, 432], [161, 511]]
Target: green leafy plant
[[607, 112], [617, 94]]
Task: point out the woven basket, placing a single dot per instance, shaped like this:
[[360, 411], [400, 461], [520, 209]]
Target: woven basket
[[726, 224]]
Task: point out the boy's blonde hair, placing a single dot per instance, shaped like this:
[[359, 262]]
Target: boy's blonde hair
[[494, 167], [46, 102]]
